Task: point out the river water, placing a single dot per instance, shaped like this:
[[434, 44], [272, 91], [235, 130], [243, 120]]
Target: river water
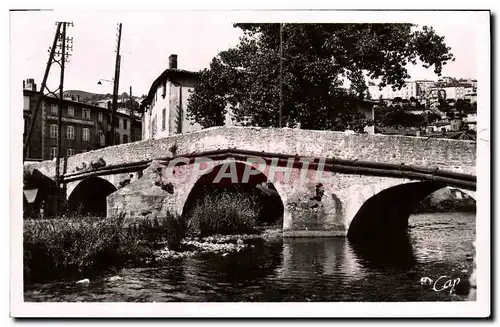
[[301, 269]]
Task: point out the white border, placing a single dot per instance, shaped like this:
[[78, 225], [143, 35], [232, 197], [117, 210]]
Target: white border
[[479, 308]]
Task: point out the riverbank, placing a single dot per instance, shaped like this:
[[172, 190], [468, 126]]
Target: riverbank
[[324, 269], [81, 248], [447, 200]]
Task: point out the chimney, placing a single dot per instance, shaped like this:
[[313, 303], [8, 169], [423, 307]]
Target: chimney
[[78, 98], [172, 61], [29, 84]]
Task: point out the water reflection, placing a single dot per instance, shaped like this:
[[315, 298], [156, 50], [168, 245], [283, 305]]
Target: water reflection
[[300, 269], [247, 266], [382, 253]]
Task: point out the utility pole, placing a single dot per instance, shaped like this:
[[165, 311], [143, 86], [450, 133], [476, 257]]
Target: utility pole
[[60, 50], [115, 85], [131, 108], [64, 56], [43, 86], [280, 122]]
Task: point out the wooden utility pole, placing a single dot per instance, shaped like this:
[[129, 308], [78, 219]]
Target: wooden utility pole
[[280, 122], [39, 97], [115, 86], [59, 112]]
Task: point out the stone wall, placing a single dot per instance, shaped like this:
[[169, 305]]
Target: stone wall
[[453, 155], [310, 206]]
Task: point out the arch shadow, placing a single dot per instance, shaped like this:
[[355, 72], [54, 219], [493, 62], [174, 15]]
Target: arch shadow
[[269, 200], [89, 196], [385, 215], [46, 196], [378, 233]]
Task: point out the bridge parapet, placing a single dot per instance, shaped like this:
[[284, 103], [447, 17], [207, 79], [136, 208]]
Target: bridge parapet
[[452, 155]]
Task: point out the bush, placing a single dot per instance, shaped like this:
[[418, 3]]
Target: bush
[[170, 229], [64, 247], [223, 213]]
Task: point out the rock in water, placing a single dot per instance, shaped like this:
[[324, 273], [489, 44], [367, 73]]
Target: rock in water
[[239, 242], [426, 281], [83, 281], [114, 278]]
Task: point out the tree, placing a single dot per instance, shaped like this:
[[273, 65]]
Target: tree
[[316, 60], [404, 119], [431, 117], [464, 106]]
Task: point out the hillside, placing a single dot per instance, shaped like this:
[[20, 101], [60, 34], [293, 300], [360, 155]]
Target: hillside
[[92, 97], [86, 96]]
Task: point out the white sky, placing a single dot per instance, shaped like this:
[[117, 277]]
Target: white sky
[[148, 38]]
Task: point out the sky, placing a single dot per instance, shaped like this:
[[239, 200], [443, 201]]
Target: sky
[[148, 38]]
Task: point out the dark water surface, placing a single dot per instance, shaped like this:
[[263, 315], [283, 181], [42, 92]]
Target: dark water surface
[[302, 269]]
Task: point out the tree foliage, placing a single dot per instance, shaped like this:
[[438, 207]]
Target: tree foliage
[[399, 116], [317, 60]]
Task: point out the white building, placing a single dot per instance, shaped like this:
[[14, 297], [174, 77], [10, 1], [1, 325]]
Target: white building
[[452, 92], [165, 106], [166, 103], [411, 89]]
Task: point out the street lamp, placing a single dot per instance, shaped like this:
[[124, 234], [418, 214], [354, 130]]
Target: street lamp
[[113, 110], [104, 80]]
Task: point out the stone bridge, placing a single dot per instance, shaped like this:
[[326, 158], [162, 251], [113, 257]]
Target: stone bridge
[[329, 183]]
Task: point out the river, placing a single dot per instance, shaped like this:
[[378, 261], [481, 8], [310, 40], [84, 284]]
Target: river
[[301, 269]]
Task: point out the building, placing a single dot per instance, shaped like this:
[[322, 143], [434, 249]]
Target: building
[[84, 127], [471, 121], [424, 87], [410, 90], [455, 92], [471, 97], [165, 106]]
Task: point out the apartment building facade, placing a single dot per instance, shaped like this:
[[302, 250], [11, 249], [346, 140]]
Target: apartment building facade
[[410, 90], [84, 127]]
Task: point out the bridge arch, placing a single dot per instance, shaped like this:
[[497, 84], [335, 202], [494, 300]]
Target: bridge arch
[[89, 196], [386, 213], [270, 195], [44, 193]]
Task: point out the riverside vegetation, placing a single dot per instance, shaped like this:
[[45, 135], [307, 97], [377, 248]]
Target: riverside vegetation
[[78, 246]]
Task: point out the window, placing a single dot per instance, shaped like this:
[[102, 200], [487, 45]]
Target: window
[[71, 112], [53, 131], [117, 138], [102, 138], [164, 90], [117, 122], [26, 106], [54, 109], [70, 152], [53, 152], [99, 117], [153, 127], [85, 113], [26, 124], [163, 118], [125, 123], [86, 134], [125, 138], [70, 133]]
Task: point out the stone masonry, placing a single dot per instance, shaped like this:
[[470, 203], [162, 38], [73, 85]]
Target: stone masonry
[[326, 206]]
